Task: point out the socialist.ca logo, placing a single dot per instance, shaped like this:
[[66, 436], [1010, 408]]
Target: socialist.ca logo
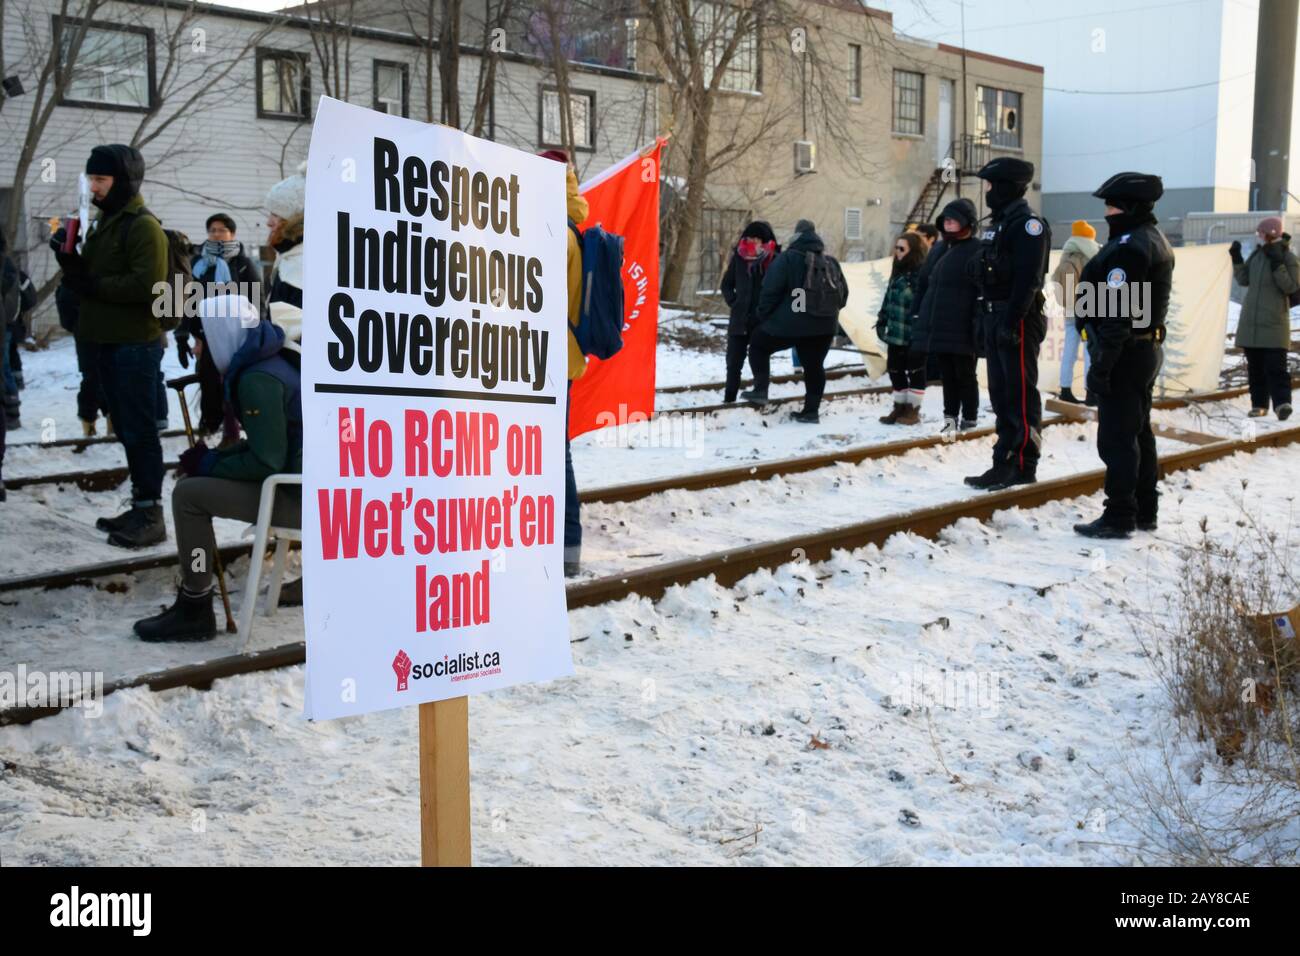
[[401, 667]]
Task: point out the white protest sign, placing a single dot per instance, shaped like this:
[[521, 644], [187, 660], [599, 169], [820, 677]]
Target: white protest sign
[[433, 386]]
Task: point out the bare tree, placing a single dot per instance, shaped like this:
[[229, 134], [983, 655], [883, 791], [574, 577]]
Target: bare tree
[[332, 26], [708, 54], [56, 69]]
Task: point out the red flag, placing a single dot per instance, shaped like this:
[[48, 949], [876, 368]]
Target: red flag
[[624, 199]]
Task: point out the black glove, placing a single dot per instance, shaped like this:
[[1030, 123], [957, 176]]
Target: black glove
[[1234, 252], [1009, 336], [59, 237], [197, 460], [1098, 380], [1275, 251], [183, 352]]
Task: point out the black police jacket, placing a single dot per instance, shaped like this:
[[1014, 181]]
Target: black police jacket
[[1012, 264], [1124, 289]]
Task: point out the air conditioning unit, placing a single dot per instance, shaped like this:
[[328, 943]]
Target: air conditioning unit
[[805, 154]]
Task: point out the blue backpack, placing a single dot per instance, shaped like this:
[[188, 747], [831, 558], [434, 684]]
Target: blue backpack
[[600, 319]]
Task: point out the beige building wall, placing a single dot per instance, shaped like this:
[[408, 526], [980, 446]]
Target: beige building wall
[[867, 172]]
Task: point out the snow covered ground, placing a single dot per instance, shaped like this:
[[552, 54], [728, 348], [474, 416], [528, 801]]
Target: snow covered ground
[[978, 700], [791, 719]]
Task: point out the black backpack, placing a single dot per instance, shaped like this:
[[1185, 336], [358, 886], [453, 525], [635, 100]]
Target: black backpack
[[179, 263], [825, 292]]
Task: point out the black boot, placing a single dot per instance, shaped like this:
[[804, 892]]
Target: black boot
[[291, 594], [754, 396], [1104, 527], [1069, 396], [115, 523], [808, 418], [1016, 475], [143, 526], [993, 476], [189, 619], [1090, 400]]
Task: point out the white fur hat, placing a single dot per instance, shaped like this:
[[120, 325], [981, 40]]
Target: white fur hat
[[288, 197]]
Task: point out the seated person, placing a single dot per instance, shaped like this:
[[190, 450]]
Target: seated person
[[261, 381]]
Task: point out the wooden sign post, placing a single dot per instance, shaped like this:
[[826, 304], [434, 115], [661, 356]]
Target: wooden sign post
[[444, 783]]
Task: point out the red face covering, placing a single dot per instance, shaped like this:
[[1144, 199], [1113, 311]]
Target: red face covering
[[752, 249]]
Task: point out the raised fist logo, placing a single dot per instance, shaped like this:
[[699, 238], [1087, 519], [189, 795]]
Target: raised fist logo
[[402, 667]]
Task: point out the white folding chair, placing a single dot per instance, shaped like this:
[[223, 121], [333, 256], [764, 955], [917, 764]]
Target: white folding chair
[[263, 532]]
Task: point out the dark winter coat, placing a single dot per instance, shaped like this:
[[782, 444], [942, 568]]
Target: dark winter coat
[[1265, 321], [124, 257], [946, 319], [242, 268], [776, 313], [741, 285], [1136, 252]]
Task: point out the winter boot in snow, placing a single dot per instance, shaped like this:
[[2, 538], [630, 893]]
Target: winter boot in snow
[[1016, 475], [807, 418], [995, 475], [143, 526], [969, 424], [189, 619], [115, 523], [1284, 412], [949, 430], [910, 415], [1104, 527], [892, 417], [1069, 396], [1257, 413], [754, 396], [291, 594], [87, 429]]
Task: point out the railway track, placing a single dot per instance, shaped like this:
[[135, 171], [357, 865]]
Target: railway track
[[106, 479], [631, 491], [729, 566], [838, 372]]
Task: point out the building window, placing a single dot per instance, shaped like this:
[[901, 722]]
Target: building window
[[582, 109], [909, 98], [715, 24], [855, 71], [853, 224], [283, 85], [997, 113], [112, 68], [391, 85]]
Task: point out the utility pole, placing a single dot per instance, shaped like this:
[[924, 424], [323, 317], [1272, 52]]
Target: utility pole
[[1270, 145]]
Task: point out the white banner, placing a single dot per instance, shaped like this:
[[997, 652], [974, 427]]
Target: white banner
[[434, 377], [1196, 323]]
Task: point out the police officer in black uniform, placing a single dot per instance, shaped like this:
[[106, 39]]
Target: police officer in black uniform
[[1011, 268], [1129, 282]]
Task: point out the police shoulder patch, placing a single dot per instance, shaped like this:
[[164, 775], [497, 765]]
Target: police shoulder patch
[[1116, 277], [1033, 227]]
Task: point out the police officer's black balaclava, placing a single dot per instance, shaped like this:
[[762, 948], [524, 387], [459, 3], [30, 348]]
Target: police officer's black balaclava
[[125, 165], [1002, 193], [1132, 212]]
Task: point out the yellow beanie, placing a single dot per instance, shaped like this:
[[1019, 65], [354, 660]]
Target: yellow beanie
[[1081, 228]]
